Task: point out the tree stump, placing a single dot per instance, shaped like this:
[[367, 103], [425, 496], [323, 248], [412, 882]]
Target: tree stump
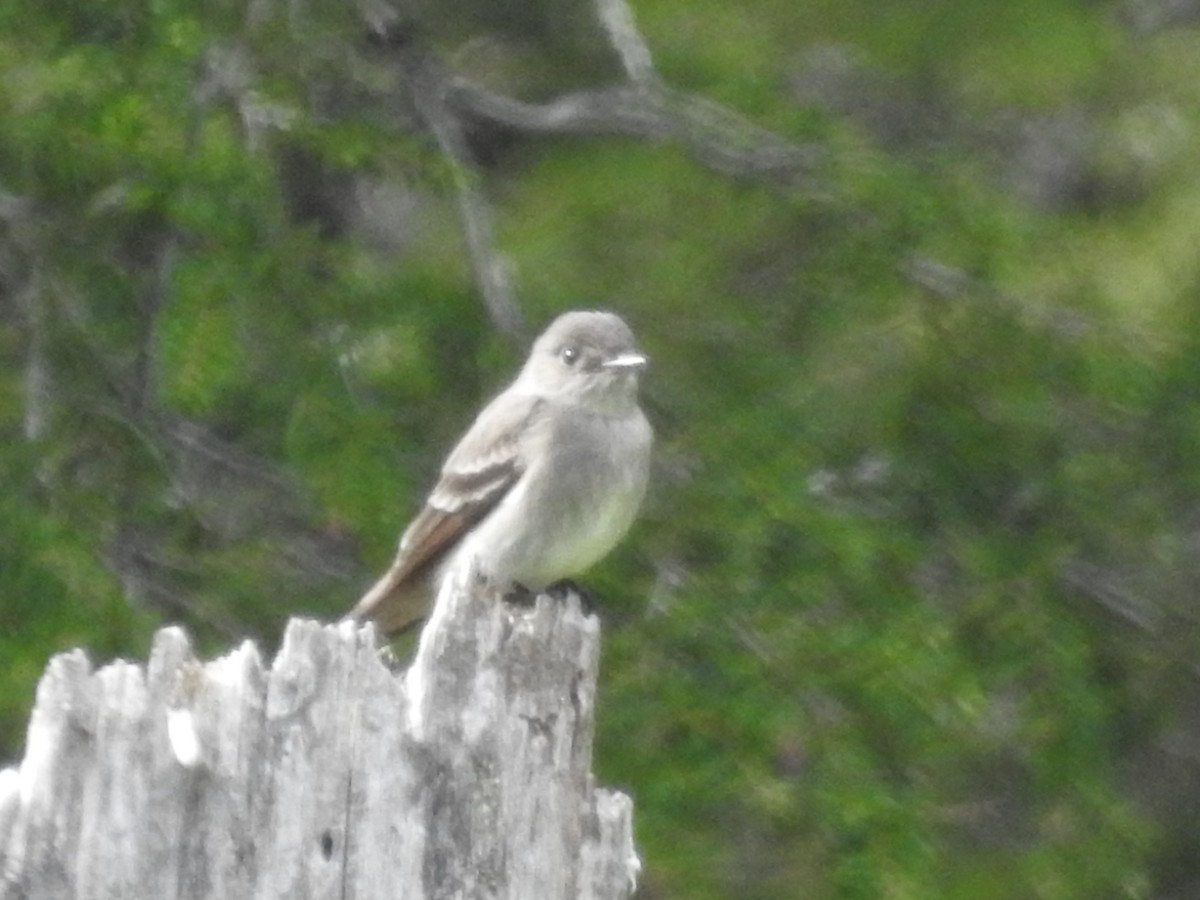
[[327, 774]]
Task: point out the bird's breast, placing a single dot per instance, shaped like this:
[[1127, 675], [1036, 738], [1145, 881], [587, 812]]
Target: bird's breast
[[571, 507]]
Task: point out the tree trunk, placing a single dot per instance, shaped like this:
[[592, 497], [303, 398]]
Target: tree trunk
[[328, 774]]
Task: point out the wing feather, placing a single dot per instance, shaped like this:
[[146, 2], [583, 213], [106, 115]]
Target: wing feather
[[484, 466]]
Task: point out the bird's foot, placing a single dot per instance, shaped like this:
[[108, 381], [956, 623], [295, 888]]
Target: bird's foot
[[560, 590]]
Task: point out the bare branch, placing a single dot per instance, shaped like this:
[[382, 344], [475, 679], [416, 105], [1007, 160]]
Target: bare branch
[[37, 365], [427, 85], [643, 108], [946, 282], [716, 136], [617, 19], [1106, 590], [491, 268]]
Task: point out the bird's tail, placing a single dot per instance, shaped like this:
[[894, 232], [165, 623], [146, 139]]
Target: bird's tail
[[394, 603]]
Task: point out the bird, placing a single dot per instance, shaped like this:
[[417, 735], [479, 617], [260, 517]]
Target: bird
[[544, 483]]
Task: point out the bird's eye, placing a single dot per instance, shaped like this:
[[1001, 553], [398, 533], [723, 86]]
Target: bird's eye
[[569, 355]]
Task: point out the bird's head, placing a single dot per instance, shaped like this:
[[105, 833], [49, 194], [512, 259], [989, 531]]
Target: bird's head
[[590, 355]]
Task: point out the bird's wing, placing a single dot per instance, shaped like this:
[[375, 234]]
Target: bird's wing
[[478, 474]]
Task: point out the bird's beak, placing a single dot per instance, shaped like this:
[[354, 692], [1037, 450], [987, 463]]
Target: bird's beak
[[634, 361]]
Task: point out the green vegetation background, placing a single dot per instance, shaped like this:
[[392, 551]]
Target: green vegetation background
[[911, 612]]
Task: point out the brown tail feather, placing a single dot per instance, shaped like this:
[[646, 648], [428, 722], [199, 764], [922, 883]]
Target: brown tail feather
[[394, 605]]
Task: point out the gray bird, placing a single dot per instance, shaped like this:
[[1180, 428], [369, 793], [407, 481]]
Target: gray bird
[[545, 482]]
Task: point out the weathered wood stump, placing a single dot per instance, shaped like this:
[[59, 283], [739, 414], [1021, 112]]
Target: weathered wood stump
[[326, 774]]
